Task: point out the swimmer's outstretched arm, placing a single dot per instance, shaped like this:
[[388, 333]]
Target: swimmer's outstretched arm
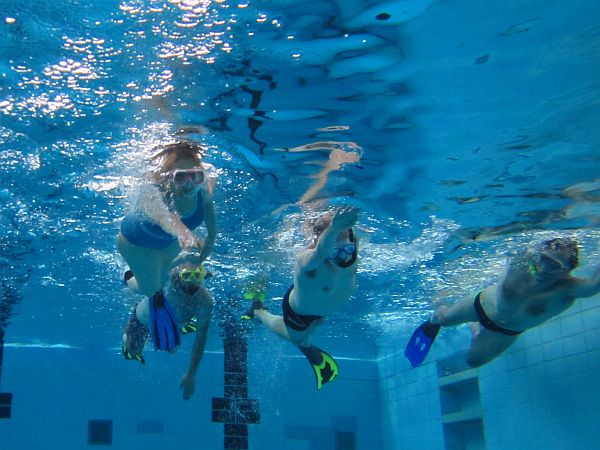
[[586, 287], [211, 229], [344, 218], [152, 204], [516, 274], [188, 381]]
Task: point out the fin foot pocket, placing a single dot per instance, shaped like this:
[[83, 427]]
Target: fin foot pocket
[[128, 356]]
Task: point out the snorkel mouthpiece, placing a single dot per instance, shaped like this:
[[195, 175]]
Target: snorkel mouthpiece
[[532, 268]]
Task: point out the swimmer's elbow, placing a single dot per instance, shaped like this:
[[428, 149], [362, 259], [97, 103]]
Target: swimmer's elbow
[[587, 287]]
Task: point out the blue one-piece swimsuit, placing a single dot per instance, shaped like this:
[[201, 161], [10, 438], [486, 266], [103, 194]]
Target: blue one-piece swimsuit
[[140, 230]]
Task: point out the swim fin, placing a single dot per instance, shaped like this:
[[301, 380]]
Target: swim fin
[[134, 338], [128, 356], [325, 367], [420, 342], [190, 327], [163, 324], [258, 298]]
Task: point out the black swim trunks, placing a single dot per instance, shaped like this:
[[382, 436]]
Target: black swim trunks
[[486, 322], [293, 320]]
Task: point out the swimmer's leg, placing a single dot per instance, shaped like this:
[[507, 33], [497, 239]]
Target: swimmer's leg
[[150, 265], [487, 345], [461, 312], [273, 322]]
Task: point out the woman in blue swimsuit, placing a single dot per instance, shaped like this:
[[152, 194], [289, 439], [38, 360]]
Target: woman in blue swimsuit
[[178, 199]]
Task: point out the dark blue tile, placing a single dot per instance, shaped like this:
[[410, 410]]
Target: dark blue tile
[[221, 403], [100, 432], [236, 391], [237, 379], [235, 363], [5, 398], [236, 443], [236, 430], [223, 416], [344, 440], [249, 417], [5, 412]]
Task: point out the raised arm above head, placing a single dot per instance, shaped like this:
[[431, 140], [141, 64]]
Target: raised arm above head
[[327, 229], [546, 264]]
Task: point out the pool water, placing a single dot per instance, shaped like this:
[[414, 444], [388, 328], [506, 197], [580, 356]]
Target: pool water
[[464, 132]]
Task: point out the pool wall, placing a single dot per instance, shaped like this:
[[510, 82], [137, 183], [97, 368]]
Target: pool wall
[[71, 399], [542, 393]]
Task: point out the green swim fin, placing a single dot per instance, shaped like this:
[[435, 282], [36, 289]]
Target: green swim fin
[[128, 356], [256, 293], [190, 327], [323, 364]]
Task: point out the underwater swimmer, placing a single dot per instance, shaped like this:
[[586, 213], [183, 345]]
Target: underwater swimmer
[[178, 199], [185, 307], [324, 279], [536, 287]]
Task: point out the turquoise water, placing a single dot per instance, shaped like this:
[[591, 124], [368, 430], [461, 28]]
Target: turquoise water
[[462, 130]]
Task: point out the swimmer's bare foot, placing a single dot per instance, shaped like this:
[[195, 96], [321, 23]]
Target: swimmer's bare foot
[[436, 317]]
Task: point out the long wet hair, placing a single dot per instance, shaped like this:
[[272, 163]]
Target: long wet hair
[[170, 153]]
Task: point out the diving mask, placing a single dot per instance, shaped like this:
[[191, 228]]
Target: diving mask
[[543, 262], [343, 254], [187, 178], [196, 275]]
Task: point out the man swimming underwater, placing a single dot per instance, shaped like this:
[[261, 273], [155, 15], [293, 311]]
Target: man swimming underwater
[[537, 286], [324, 279], [185, 306]]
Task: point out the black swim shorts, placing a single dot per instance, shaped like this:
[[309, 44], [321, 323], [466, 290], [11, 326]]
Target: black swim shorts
[[293, 320], [488, 323]]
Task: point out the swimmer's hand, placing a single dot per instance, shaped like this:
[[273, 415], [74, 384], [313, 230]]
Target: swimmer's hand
[[345, 217], [188, 384], [187, 240]]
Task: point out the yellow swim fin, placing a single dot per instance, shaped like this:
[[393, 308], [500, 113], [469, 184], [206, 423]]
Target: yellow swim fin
[[190, 327], [255, 292], [325, 367], [128, 356]]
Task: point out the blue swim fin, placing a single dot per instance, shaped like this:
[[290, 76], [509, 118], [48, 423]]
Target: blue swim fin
[[420, 343], [163, 324], [323, 364]]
